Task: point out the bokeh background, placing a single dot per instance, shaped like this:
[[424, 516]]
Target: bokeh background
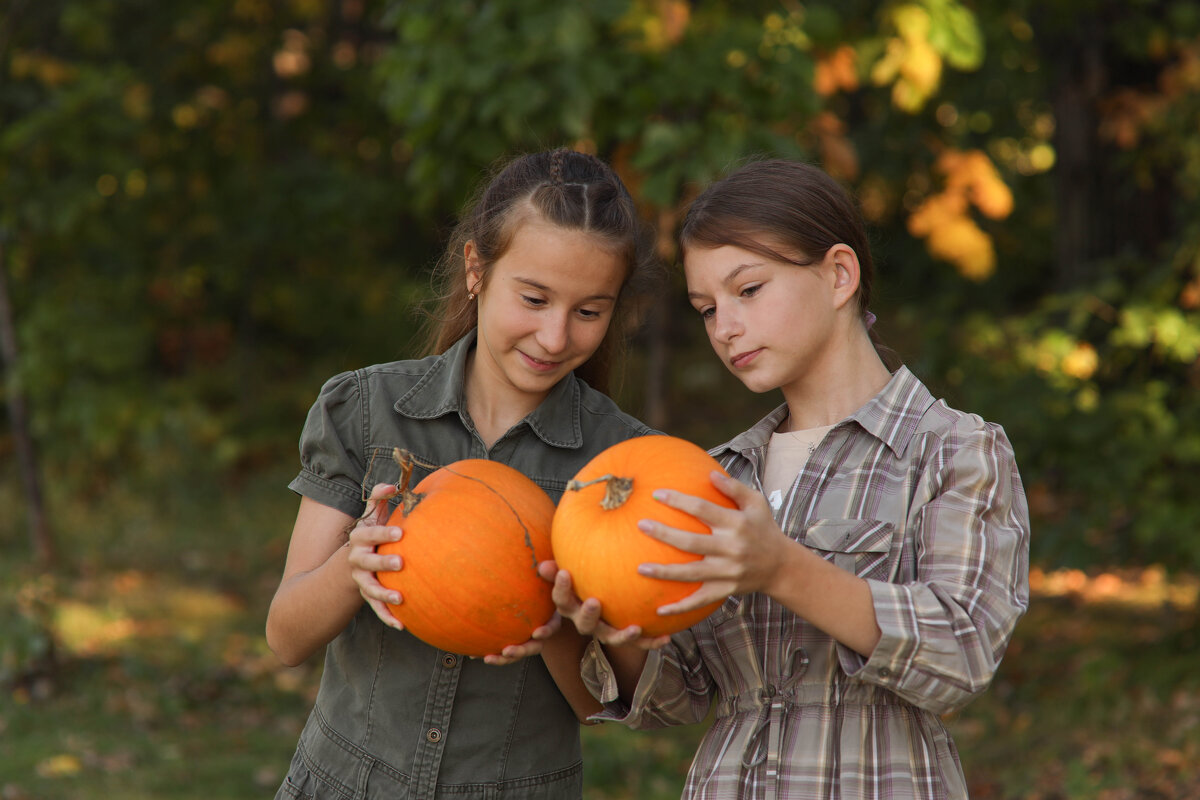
[[207, 207]]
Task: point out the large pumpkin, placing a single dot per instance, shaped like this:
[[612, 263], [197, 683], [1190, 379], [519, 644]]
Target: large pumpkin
[[596, 538], [474, 532]]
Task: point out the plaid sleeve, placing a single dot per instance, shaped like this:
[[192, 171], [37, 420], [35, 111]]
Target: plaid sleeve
[[945, 633], [675, 687]]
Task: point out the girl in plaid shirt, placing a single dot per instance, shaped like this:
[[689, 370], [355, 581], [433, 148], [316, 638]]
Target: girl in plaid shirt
[[877, 562]]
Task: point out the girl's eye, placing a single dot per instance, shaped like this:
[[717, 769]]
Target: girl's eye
[[537, 302], [751, 290], [589, 313], [707, 312]]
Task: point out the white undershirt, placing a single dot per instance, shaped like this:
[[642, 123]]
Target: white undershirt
[[787, 453]]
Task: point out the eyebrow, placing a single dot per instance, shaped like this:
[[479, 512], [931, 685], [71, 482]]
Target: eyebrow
[[544, 288], [728, 279]]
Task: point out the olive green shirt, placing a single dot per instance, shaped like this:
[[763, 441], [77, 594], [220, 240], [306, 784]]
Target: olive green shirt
[[395, 717]]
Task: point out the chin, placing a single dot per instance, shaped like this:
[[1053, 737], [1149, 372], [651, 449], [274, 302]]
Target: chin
[[756, 384]]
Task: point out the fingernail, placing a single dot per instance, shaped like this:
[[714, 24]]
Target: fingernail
[[645, 525], [394, 562], [643, 569], [396, 533], [659, 494], [394, 599]]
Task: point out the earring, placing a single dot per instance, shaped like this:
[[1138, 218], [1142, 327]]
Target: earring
[[470, 295]]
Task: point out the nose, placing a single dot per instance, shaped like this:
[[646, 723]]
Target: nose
[[555, 333], [727, 326]]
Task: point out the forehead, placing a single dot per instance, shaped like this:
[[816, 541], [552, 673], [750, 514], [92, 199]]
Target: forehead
[[562, 258], [707, 264]]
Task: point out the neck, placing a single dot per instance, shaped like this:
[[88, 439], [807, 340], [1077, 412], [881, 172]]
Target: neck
[[493, 405], [837, 385]]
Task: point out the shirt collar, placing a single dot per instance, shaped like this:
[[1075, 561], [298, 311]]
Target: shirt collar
[[556, 421], [892, 416]]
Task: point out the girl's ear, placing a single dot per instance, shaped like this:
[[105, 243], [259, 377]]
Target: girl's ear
[[846, 273], [474, 271]]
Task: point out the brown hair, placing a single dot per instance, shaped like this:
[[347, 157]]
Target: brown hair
[[573, 190], [788, 211]]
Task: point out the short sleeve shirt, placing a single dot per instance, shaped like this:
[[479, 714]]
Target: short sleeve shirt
[[395, 717]]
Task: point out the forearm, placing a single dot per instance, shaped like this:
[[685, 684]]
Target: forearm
[[311, 608], [832, 599], [627, 664], [563, 653]]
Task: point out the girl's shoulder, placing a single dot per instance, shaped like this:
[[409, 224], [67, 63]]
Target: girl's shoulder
[[597, 409], [406, 370]]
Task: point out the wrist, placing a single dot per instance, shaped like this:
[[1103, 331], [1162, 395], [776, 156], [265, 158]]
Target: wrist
[[789, 563]]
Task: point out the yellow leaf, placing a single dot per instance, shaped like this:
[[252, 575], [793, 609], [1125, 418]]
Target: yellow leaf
[[961, 242], [1081, 362], [912, 22], [922, 67], [59, 766]]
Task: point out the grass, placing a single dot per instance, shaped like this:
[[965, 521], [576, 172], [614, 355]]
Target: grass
[[157, 683]]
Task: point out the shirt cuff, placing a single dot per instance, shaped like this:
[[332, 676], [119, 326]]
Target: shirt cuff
[[601, 680], [895, 614]]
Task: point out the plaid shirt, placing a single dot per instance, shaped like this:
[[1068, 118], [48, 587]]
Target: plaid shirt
[[925, 503]]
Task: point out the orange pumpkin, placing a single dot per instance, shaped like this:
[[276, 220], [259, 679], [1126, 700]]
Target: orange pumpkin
[[595, 534], [474, 532]]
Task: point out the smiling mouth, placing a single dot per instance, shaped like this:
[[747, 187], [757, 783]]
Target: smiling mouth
[[744, 359], [539, 364]]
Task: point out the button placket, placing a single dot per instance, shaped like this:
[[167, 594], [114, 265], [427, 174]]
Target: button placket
[[439, 702]]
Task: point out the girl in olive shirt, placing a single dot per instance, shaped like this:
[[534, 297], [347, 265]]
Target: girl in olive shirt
[[536, 278]]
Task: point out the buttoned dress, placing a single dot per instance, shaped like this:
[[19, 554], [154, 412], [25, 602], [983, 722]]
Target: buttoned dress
[[926, 504], [394, 717]]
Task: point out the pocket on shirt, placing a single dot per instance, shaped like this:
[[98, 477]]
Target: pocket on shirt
[[861, 546]]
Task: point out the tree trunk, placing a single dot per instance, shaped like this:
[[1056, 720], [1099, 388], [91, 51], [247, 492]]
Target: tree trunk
[[39, 529]]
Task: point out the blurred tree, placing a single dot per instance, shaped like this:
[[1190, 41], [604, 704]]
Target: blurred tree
[[40, 535], [205, 215], [213, 204], [1029, 169]]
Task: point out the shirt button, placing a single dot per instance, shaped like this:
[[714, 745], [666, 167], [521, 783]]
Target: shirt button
[[885, 672], [449, 660], [434, 735]]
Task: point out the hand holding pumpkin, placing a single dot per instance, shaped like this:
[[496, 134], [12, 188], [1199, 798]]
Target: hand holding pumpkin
[[513, 653], [586, 615], [743, 554], [371, 531]]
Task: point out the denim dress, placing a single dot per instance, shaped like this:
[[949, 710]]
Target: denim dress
[[394, 717]]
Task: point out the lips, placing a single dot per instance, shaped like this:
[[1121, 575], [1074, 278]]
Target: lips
[[742, 360], [538, 365]]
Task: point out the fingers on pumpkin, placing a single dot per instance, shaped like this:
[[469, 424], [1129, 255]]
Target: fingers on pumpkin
[[698, 599], [706, 511], [696, 543]]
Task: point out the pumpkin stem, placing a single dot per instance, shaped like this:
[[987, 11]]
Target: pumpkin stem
[[616, 490], [408, 499]]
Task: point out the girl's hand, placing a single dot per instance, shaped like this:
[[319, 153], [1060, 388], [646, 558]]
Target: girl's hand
[[515, 652], [743, 554], [585, 614], [368, 533]]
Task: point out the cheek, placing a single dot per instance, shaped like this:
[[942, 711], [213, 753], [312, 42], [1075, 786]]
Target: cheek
[[588, 336]]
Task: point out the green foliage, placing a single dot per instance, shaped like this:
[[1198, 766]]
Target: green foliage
[[208, 211], [196, 203]]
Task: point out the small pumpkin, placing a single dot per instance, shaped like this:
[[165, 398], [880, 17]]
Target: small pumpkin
[[596, 538], [474, 532]]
